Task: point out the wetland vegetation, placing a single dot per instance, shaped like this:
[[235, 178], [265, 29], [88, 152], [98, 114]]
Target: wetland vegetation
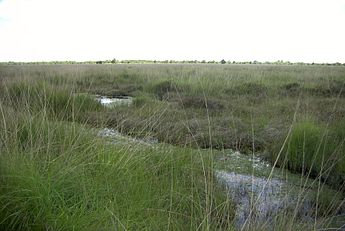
[[57, 174]]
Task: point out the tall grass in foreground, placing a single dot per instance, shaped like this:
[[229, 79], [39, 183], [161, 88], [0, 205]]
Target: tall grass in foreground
[[55, 174]]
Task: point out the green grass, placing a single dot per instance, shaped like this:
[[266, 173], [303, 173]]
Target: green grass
[[95, 186], [56, 175], [57, 102], [315, 151]]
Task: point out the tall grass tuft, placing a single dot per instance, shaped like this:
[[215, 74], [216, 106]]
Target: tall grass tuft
[[315, 151], [58, 102]]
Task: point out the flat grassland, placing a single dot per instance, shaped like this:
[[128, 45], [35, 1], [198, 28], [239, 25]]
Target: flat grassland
[[56, 174]]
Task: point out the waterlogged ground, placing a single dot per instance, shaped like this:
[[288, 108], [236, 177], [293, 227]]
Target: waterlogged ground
[[257, 199], [111, 102], [258, 196], [259, 191], [230, 160], [220, 106], [116, 137]]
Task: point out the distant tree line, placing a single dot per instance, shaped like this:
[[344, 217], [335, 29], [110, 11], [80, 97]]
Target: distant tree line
[[223, 61]]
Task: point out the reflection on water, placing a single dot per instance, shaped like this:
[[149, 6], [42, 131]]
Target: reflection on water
[[115, 101]]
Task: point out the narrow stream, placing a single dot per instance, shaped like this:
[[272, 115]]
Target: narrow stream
[[116, 137]]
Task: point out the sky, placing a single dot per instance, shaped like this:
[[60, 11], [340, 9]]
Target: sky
[[235, 30]]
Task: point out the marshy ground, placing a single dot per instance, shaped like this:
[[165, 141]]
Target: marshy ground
[[57, 173]]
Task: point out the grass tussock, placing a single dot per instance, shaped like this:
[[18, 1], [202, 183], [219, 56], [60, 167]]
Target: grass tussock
[[315, 151], [91, 186], [58, 103]]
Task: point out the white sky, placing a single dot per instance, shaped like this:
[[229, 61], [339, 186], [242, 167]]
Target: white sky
[[241, 30]]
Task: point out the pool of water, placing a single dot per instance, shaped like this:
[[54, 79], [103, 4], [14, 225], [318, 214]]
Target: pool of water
[[111, 102]]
